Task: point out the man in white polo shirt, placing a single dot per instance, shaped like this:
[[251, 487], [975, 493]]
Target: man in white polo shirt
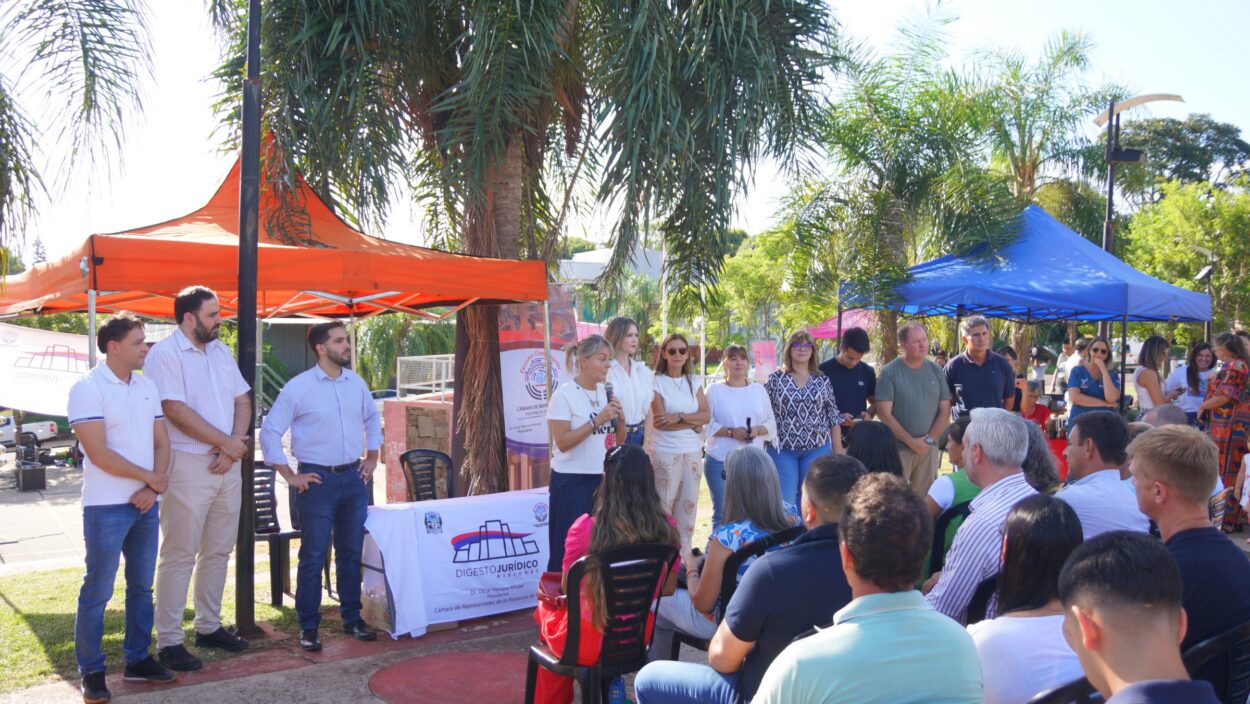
[[117, 417], [207, 406]]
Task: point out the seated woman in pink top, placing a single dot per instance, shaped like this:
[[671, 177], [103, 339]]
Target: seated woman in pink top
[[627, 512]]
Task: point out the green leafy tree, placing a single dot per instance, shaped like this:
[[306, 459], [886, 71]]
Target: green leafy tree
[[1165, 239], [1194, 150], [1076, 204], [382, 339], [573, 245], [10, 263], [495, 110]]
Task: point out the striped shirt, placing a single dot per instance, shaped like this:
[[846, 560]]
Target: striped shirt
[[332, 421], [207, 381], [978, 546]]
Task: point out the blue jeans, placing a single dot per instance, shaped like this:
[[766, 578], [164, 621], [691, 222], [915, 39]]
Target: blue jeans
[[670, 682], [635, 437], [792, 468], [109, 533], [337, 505], [714, 474], [571, 495]]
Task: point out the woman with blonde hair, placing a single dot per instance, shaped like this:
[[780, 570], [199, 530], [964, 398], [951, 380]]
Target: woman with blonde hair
[[806, 412], [679, 412], [631, 380], [741, 415], [1092, 385], [580, 418]]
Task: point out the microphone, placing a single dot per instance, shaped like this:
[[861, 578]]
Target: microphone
[[607, 389], [748, 429]]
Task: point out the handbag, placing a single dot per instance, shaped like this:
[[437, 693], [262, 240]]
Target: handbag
[[551, 590]]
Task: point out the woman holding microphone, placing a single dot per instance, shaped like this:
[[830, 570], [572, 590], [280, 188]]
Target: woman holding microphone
[[631, 381], [583, 423], [679, 412], [741, 415]]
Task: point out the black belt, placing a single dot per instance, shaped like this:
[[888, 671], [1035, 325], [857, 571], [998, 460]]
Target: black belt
[[336, 469], [633, 428]]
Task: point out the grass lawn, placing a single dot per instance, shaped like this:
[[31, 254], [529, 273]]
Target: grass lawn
[[37, 623]]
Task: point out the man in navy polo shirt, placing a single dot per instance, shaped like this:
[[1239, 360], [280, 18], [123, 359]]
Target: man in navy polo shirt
[[854, 382], [978, 378], [783, 594]]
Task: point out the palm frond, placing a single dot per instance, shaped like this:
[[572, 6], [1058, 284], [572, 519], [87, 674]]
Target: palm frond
[[19, 179]]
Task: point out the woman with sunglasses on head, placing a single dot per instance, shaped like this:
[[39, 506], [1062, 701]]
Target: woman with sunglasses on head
[[631, 380], [678, 411], [806, 412], [1191, 378], [1228, 416], [741, 415], [1092, 386], [1022, 650], [580, 419], [626, 512]]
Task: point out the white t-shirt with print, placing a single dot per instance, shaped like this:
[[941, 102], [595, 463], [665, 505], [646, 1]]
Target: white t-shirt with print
[[579, 406]]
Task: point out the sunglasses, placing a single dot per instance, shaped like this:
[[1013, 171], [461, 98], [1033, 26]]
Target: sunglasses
[[676, 352], [1100, 350], [801, 346]]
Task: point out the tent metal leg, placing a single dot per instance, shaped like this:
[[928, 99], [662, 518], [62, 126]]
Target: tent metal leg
[[547, 347], [1123, 358], [91, 358]]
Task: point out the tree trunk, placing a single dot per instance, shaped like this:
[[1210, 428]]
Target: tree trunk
[[888, 322], [493, 229], [1021, 337]]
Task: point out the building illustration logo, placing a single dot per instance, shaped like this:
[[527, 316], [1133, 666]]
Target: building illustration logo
[[493, 540]]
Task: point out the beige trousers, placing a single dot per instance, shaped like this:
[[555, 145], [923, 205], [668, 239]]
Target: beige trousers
[[677, 478], [920, 470], [199, 528]]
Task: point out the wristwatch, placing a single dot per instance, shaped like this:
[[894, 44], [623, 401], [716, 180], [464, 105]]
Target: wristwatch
[[928, 440]]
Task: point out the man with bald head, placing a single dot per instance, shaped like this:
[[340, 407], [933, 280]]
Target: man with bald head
[[914, 401]]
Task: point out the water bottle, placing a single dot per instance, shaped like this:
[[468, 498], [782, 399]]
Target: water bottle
[[616, 691]]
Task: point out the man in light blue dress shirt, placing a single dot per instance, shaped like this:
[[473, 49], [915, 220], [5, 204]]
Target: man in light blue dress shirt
[[333, 422]]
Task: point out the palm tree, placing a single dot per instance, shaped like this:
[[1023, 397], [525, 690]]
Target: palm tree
[[87, 59], [906, 136], [498, 111]]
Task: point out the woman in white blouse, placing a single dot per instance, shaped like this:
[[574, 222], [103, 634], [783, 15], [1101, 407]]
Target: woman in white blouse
[[742, 414], [679, 410], [1023, 651], [631, 381]]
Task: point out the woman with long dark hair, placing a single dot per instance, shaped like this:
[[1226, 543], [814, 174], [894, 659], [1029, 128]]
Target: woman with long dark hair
[[1092, 385], [580, 419], [1228, 411], [626, 512], [807, 415], [1191, 378], [1023, 651], [1149, 385], [679, 412], [873, 443], [631, 380]]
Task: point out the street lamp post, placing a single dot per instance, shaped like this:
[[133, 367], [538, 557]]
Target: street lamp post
[[1206, 274]]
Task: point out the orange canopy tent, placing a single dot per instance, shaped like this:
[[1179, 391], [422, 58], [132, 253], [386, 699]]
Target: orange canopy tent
[[340, 272]]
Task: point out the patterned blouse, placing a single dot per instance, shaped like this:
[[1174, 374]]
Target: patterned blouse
[[735, 535], [804, 415]]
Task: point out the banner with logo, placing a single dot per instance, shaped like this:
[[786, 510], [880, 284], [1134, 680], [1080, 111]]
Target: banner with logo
[[524, 378], [462, 558], [764, 352], [38, 367]]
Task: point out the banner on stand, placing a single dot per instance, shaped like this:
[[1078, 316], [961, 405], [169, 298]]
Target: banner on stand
[[38, 367], [764, 352], [525, 386]]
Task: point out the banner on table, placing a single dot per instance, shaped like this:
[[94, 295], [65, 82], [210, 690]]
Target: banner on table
[[38, 367], [764, 352], [525, 384], [462, 558]]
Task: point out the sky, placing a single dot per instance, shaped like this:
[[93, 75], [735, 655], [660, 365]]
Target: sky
[[171, 161]]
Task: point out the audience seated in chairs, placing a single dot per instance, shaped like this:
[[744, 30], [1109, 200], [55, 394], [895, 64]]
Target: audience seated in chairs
[[1121, 594], [995, 446], [950, 494], [783, 594], [753, 508], [1023, 651], [626, 512], [1096, 449], [1174, 468], [887, 645]]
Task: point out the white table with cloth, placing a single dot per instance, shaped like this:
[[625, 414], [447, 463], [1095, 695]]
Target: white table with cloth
[[455, 559]]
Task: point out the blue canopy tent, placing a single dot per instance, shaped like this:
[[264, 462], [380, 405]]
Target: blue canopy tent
[[1049, 273]]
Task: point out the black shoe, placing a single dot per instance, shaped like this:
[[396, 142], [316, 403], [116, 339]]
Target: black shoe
[[176, 657], [309, 641], [94, 691], [358, 630], [221, 638], [148, 670]]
